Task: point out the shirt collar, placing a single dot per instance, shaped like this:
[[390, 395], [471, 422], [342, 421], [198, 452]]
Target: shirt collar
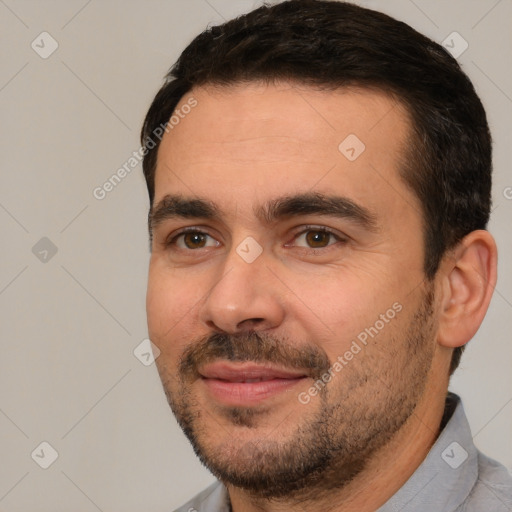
[[445, 478]]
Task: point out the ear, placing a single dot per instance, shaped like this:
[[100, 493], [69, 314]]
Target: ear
[[468, 278]]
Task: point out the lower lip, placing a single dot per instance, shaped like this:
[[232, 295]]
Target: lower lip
[[248, 393]]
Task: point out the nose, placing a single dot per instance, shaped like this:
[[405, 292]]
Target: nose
[[244, 297]]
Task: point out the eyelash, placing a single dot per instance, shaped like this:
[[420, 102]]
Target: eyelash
[[172, 241]]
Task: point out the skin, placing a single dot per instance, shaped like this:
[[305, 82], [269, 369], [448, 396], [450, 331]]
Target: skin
[[241, 147]]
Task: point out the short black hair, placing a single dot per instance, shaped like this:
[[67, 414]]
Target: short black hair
[[334, 44]]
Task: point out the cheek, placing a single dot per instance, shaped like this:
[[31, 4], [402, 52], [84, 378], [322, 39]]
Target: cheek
[[170, 307], [335, 299], [340, 311]]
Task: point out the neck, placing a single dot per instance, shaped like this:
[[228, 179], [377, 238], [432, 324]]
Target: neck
[[386, 473]]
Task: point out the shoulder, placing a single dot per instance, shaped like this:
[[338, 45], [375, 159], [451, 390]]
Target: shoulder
[[493, 488]]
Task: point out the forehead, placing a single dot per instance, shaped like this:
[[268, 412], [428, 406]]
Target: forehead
[[249, 141]]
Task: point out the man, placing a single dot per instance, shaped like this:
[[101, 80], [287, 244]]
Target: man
[[319, 180]]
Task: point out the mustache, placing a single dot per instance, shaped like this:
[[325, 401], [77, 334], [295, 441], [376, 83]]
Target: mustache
[[255, 347]]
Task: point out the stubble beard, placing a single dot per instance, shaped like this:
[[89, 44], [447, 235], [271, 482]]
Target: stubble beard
[[336, 434]]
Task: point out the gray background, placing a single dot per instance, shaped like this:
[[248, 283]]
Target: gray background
[[71, 320]]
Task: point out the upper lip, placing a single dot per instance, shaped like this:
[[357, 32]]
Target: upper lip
[[247, 371]]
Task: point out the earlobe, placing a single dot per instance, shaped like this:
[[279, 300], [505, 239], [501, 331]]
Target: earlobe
[[468, 281]]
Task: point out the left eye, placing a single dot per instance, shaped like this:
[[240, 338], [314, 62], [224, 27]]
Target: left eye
[[316, 239]]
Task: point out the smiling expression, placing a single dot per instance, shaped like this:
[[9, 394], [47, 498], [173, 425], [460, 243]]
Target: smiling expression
[[272, 249]]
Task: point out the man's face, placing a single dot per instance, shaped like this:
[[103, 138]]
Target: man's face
[[286, 288]]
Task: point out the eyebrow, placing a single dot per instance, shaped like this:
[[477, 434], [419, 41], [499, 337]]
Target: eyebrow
[[318, 204], [176, 206], [171, 207]]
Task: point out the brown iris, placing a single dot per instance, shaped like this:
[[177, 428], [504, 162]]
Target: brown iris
[[318, 239], [194, 240]]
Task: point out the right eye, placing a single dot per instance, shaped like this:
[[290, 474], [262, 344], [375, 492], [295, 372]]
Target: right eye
[[192, 240]]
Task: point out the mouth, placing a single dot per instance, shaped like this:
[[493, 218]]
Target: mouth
[[248, 383]]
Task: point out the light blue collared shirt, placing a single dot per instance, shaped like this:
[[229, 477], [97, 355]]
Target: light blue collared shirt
[[454, 477]]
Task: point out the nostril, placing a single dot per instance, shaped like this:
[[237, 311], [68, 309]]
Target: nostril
[[250, 323], [214, 327]]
